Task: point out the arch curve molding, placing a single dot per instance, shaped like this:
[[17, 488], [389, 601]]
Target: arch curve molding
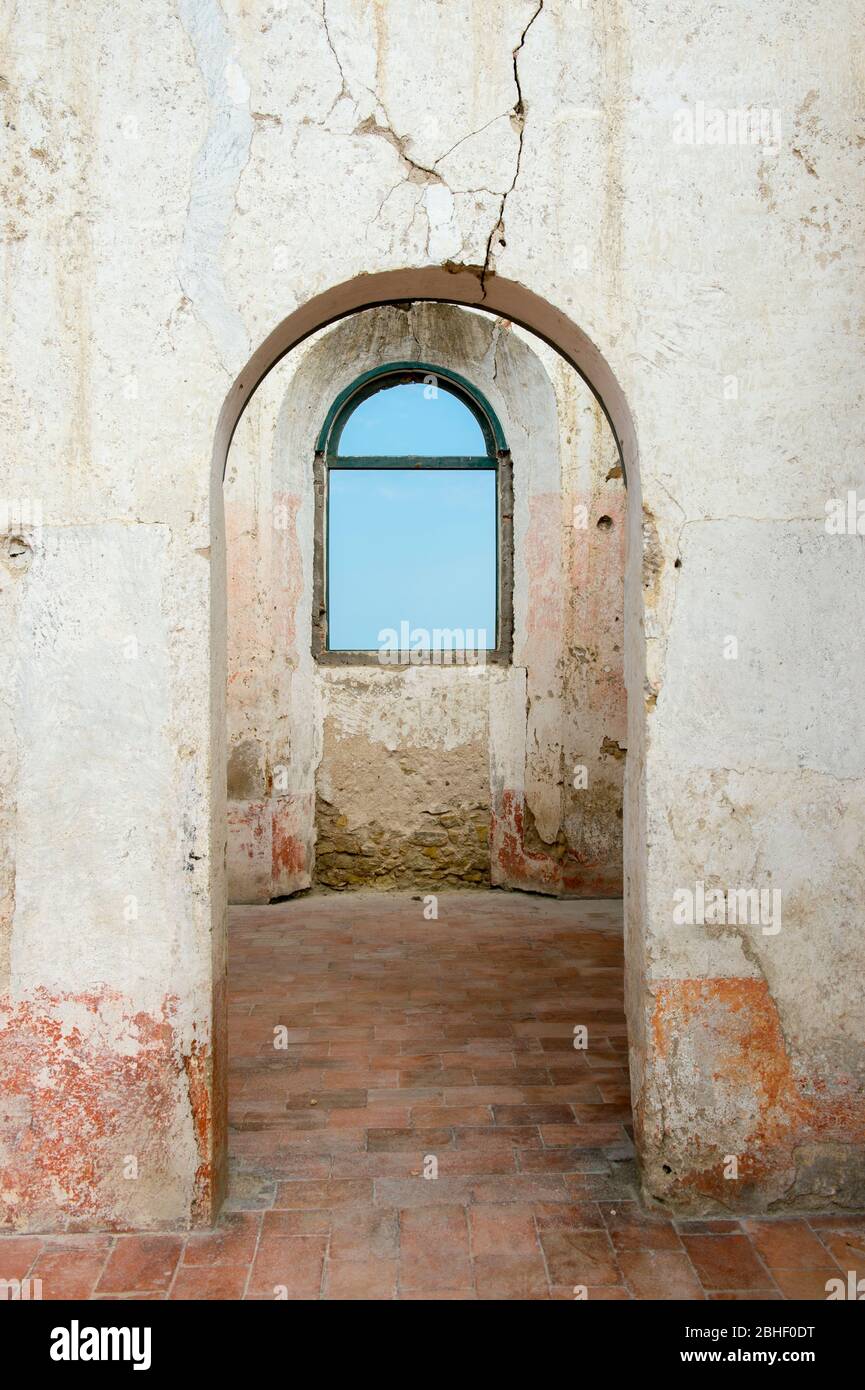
[[438, 284]]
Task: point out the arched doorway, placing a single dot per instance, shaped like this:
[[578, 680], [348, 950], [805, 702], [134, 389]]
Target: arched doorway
[[506, 300]]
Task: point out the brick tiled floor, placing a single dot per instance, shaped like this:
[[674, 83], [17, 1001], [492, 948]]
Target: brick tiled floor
[[400, 1041]]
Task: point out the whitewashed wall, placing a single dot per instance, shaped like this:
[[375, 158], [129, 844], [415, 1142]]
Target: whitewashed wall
[[183, 177]]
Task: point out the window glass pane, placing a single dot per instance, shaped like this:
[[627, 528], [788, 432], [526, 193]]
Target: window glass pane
[[411, 546], [412, 419]]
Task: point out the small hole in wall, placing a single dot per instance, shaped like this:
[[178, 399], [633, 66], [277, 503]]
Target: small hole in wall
[[18, 553], [605, 523], [666, 1168], [677, 564]]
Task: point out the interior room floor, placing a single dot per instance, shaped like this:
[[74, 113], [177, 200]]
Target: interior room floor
[[410, 1118]]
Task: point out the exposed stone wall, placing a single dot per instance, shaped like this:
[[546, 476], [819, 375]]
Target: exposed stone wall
[[451, 850], [403, 782]]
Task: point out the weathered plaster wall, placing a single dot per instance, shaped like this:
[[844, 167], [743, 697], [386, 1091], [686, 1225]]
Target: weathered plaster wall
[[403, 786], [182, 178], [113, 928], [583, 833], [390, 774]]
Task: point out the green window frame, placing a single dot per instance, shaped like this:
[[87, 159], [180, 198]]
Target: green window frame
[[496, 459]]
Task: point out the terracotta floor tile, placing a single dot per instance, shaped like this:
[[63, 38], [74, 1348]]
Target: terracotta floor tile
[[423, 1139], [141, 1263], [660, 1275], [452, 1039], [437, 1295], [364, 1234], [361, 1279], [533, 1115], [443, 1116], [710, 1226], [434, 1249], [129, 1297], [726, 1262], [569, 1216], [521, 1187], [516, 1276], [786, 1244], [847, 1248], [313, 1196], [419, 1192], [604, 1293], [746, 1296], [573, 1135], [296, 1223], [503, 1230], [218, 1281], [563, 1160], [632, 1228], [852, 1221], [503, 1138], [579, 1257], [68, 1273], [232, 1243], [289, 1266], [809, 1284], [17, 1254]]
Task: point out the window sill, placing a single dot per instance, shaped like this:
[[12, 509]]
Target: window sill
[[424, 660]]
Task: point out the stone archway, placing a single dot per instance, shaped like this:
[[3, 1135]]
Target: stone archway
[[490, 293], [505, 299]]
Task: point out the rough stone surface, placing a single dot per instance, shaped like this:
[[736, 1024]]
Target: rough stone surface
[[449, 849]]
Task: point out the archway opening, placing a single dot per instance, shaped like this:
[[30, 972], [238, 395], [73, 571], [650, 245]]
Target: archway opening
[[336, 306]]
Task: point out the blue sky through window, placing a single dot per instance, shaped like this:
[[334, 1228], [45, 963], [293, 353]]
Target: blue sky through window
[[410, 419], [411, 546]]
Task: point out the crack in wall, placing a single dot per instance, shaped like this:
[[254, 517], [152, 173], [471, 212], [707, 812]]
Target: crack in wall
[[344, 91], [491, 355], [418, 173], [518, 114], [371, 125], [429, 174]]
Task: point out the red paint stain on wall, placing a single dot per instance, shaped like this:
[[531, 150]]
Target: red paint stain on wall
[[725, 1035], [515, 866], [79, 1097], [293, 824], [247, 824], [289, 852], [196, 1065]]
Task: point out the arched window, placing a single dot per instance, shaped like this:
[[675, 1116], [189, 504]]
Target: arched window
[[414, 524]]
